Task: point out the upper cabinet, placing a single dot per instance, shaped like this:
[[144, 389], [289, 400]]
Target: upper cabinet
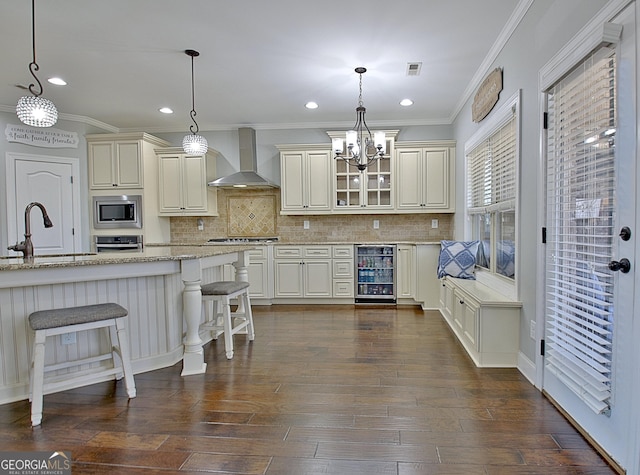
[[366, 191], [425, 178], [415, 177], [118, 160], [182, 184], [305, 179]]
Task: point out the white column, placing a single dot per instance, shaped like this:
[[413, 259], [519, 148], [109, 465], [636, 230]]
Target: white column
[[193, 358]]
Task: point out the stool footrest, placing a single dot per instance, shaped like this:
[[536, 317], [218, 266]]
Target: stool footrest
[[86, 377], [74, 363]]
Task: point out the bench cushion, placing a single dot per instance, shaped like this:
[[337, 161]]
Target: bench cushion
[[224, 287], [61, 317]]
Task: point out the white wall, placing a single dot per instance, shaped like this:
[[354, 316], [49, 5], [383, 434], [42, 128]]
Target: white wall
[[546, 27], [80, 153]]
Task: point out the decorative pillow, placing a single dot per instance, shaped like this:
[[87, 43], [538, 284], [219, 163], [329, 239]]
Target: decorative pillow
[[505, 263], [457, 259]]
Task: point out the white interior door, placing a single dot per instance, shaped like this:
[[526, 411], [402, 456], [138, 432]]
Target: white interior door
[[589, 358], [46, 180]]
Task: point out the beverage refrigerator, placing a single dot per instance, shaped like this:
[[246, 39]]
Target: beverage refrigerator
[[375, 273]]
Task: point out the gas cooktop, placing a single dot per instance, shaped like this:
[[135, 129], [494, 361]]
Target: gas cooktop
[[243, 240]]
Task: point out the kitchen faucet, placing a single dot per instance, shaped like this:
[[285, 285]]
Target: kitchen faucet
[[26, 246]]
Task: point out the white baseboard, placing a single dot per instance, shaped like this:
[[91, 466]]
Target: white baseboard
[[527, 367]]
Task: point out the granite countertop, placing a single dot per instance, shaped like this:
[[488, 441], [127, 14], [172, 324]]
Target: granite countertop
[[148, 254], [306, 243]]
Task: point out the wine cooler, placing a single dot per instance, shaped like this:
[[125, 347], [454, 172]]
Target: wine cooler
[[376, 273]]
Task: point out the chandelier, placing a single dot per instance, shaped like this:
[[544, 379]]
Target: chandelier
[[35, 110], [193, 143], [362, 148]]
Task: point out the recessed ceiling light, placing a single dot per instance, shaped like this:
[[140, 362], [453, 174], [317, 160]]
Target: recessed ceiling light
[[406, 102], [311, 105], [58, 81], [166, 110]]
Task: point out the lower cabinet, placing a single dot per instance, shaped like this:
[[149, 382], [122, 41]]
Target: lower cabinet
[[302, 271], [259, 271], [406, 279], [313, 271], [485, 322], [343, 283]]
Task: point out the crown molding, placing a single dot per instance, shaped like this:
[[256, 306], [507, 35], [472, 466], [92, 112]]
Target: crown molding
[[72, 118], [486, 65]]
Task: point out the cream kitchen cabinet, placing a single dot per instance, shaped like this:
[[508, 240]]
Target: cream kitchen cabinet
[[427, 285], [126, 164], [302, 271], [305, 179], [182, 183], [366, 191], [259, 271], [343, 271], [424, 174], [118, 160], [484, 321], [406, 275]]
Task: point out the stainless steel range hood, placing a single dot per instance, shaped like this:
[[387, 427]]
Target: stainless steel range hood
[[248, 175]]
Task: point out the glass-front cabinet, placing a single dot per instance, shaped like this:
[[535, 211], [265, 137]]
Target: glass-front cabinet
[[371, 188]]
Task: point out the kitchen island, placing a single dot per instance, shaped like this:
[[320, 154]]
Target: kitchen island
[[160, 287]]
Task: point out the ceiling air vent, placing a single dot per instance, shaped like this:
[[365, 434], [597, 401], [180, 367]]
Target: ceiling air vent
[[413, 69]]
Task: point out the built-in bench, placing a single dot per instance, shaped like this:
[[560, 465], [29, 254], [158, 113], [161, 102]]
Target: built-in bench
[[486, 322]]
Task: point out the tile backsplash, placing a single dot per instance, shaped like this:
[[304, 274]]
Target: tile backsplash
[[256, 213]]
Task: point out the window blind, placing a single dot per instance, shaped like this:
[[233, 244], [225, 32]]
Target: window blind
[[491, 171], [580, 217]]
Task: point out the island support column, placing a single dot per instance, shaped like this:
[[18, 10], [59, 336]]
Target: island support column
[[193, 358]]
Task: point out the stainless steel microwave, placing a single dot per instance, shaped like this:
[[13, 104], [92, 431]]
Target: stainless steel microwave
[[117, 211]]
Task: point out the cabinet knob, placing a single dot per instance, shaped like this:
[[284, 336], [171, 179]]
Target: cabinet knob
[[461, 302]]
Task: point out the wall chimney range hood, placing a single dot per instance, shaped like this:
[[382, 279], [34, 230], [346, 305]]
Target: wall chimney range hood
[[248, 175]]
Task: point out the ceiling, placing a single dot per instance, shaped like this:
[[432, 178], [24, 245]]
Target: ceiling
[[260, 61]]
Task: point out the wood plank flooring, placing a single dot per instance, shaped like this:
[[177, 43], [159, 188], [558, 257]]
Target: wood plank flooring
[[322, 390]]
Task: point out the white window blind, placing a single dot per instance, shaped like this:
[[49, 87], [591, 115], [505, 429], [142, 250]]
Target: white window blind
[[491, 171], [580, 214]]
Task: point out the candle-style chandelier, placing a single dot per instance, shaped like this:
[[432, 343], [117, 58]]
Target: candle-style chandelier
[[363, 148]]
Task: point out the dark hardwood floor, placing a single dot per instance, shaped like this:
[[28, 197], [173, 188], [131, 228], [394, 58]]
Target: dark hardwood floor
[[321, 390]]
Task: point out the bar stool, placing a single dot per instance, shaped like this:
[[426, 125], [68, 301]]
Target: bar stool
[[222, 320], [58, 321]]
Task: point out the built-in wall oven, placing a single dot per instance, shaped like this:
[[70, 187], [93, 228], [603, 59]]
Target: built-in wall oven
[[118, 243]]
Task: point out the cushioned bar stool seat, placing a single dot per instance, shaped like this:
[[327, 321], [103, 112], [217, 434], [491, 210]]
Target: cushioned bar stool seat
[[222, 320], [59, 321]]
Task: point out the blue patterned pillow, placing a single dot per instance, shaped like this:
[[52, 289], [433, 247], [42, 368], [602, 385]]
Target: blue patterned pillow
[[457, 259], [505, 263]]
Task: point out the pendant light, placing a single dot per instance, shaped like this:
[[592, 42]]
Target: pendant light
[[363, 148], [193, 143], [35, 110]]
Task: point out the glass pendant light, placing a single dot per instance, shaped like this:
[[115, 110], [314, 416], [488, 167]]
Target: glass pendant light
[[193, 143], [35, 110]]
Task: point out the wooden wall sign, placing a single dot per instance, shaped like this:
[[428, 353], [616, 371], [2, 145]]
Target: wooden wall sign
[[487, 95]]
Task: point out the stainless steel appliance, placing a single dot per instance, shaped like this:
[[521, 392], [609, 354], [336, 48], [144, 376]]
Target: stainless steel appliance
[[376, 273], [117, 211], [118, 243]]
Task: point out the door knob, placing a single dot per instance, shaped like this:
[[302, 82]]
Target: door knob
[[625, 233], [623, 265]]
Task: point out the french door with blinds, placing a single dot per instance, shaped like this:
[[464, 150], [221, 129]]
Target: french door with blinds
[[590, 216]]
